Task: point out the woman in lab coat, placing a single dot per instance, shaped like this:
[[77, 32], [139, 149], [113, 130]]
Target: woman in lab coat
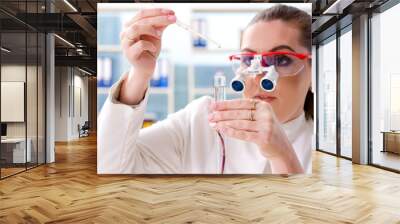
[[264, 132]]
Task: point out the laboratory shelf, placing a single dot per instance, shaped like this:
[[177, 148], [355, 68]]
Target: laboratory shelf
[[206, 50], [161, 90], [103, 90], [109, 48], [221, 8], [210, 91]]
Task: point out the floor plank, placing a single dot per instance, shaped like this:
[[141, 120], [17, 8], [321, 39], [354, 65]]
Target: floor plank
[[70, 191]]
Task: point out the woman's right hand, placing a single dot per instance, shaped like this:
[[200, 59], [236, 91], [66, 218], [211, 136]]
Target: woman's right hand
[[141, 45]]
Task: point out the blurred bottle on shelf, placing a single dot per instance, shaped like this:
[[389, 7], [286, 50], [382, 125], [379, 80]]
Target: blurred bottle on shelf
[[199, 24], [100, 72], [104, 68], [161, 73], [164, 72], [149, 119], [107, 71], [155, 80]]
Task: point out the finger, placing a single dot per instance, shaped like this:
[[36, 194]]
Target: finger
[[234, 104], [225, 115], [141, 46], [244, 125], [149, 13], [135, 31], [129, 44], [158, 21], [239, 134]]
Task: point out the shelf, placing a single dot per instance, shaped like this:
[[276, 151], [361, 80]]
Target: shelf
[[221, 8], [211, 91], [150, 116], [196, 7], [214, 50], [253, 7], [112, 7], [109, 48], [103, 90], [160, 90]]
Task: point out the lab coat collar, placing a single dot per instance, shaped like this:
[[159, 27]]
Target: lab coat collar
[[294, 127]]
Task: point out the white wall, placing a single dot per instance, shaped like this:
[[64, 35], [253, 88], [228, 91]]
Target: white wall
[[80, 83], [17, 73], [67, 116], [61, 103], [14, 73]]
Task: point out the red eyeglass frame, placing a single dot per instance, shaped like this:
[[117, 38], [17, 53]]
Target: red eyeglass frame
[[301, 56]]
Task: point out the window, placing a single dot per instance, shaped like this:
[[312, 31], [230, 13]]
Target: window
[[327, 96], [346, 92], [385, 89]]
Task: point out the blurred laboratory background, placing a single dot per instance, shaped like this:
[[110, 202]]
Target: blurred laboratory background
[[187, 63]]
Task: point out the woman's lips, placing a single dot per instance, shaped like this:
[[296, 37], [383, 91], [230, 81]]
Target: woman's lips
[[267, 99]]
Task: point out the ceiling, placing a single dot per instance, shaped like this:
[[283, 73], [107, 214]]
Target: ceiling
[[77, 24]]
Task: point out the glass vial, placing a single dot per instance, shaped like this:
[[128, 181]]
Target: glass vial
[[219, 86]]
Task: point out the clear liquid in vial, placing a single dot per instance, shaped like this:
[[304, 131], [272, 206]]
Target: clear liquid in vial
[[219, 86]]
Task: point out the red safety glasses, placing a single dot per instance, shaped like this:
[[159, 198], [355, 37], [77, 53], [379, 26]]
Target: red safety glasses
[[286, 63]]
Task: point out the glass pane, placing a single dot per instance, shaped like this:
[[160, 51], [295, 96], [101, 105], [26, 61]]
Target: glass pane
[[31, 98], [13, 87], [41, 98], [346, 94], [385, 84], [32, 87], [327, 96]]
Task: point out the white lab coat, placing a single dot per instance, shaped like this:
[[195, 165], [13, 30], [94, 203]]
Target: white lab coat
[[183, 143]]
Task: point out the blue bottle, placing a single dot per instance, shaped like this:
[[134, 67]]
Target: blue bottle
[[164, 70]]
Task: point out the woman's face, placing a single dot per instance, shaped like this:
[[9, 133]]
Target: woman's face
[[287, 100]]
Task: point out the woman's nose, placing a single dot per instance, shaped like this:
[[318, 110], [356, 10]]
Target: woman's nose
[[253, 83]]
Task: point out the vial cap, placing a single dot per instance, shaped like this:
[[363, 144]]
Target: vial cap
[[219, 79]]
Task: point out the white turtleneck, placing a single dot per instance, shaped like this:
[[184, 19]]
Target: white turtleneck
[[183, 143]]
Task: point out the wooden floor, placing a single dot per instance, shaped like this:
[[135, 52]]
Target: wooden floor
[[70, 191], [387, 159], [10, 171]]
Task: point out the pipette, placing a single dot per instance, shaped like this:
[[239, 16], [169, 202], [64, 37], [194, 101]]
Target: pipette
[[190, 30]]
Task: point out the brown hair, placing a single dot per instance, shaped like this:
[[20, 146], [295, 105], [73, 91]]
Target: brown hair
[[303, 21]]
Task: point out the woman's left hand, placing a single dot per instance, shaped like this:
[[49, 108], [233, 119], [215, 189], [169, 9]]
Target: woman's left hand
[[254, 121]]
